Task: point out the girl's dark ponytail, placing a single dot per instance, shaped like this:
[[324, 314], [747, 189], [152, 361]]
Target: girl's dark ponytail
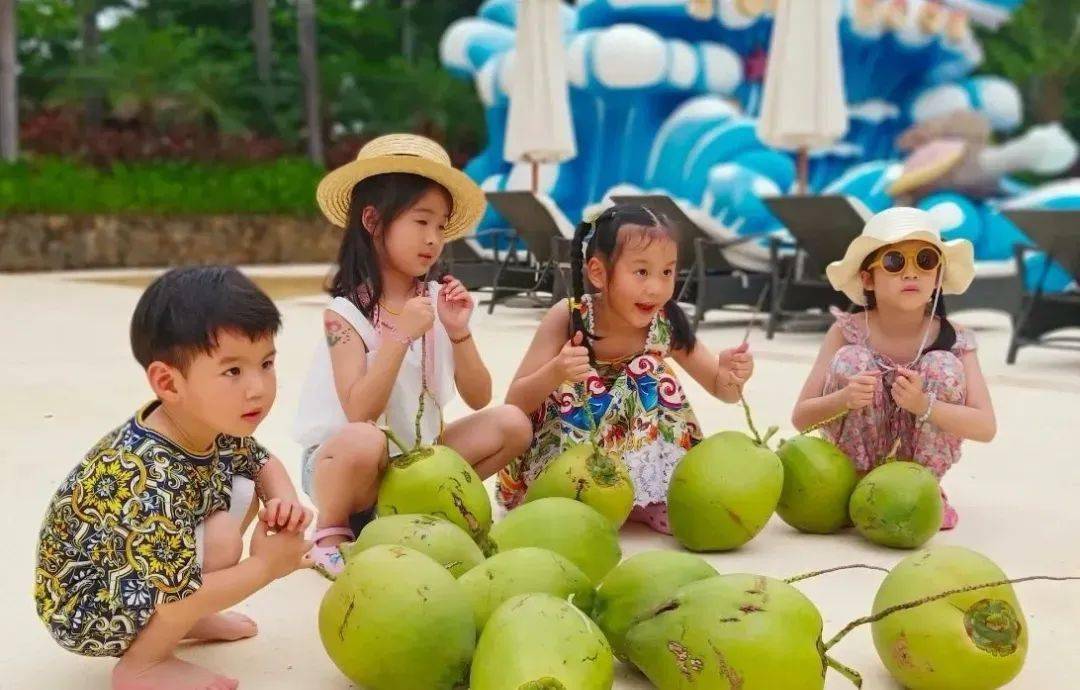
[[577, 286], [682, 334], [947, 333]]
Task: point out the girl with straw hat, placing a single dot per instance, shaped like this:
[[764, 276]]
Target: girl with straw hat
[[396, 347], [899, 377]]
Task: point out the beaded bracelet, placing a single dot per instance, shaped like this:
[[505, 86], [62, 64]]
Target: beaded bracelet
[[929, 408], [462, 339]]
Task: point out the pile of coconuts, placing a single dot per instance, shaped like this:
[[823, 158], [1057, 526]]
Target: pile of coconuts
[[436, 596]]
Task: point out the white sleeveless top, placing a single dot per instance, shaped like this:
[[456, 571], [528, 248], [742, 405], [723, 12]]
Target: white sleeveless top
[[320, 414]]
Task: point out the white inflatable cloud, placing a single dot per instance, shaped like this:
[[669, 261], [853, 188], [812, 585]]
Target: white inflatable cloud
[[1001, 102], [627, 56], [940, 100]]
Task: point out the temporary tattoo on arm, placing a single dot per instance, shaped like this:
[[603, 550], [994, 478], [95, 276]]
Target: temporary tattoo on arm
[[336, 332]]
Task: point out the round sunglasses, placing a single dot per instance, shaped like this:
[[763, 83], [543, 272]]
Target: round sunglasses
[[926, 259]]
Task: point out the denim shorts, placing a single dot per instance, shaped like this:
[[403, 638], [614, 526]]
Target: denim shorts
[[307, 468]]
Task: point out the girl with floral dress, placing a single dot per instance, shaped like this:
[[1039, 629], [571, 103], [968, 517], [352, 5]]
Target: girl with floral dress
[[604, 358], [904, 381]]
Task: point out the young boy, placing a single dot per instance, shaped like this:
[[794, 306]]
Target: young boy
[[141, 546]]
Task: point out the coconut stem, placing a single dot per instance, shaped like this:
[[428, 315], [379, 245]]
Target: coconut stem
[[846, 671], [322, 571], [749, 418], [392, 437], [893, 451], [824, 423], [932, 598], [854, 566], [583, 393]]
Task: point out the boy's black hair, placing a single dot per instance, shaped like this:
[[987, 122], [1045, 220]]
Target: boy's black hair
[[358, 278], [946, 337], [605, 244], [181, 312]]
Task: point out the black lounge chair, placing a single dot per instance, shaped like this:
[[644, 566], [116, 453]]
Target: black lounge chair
[[823, 227], [1058, 234], [546, 268]]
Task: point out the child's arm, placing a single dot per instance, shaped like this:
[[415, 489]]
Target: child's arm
[[549, 362], [365, 390], [722, 375], [281, 505], [973, 420], [813, 407], [471, 377]]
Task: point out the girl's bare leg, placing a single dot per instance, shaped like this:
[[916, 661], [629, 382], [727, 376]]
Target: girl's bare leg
[[347, 472], [491, 438]]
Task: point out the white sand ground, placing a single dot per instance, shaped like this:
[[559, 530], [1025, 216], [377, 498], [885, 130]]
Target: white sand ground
[[67, 376]]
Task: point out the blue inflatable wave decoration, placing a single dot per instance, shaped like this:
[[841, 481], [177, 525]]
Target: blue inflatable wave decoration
[[666, 101]]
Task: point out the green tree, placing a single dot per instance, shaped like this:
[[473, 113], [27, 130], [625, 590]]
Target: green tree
[[195, 61], [1039, 50], [160, 76]]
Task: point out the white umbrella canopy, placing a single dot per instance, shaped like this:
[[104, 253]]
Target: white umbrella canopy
[[804, 105], [540, 129]]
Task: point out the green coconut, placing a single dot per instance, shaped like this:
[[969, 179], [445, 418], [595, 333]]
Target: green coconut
[[723, 492], [818, 481], [541, 642], [394, 619], [731, 631], [898, 504], [971, 641], [569, 528], [586, 473], [524, 571], [441, 540], [639, 585], [435, 480]]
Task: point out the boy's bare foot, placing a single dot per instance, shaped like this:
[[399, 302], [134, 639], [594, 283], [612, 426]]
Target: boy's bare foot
[[223, 627], [169, 674]]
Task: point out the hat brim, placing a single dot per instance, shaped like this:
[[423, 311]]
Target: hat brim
[[334, 193], [959, 256]]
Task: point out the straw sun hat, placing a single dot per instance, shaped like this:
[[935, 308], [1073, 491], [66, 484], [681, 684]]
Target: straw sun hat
[[403, 153], [899, 225]]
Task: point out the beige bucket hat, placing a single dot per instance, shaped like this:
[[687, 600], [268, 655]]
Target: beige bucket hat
[[896, 225], [403, 153]]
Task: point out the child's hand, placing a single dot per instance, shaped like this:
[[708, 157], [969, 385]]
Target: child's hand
[[572, 362], [288, 516], [738, 363], [282, 552], [908, 393], [455, 307], [859, 392], [417, 317]]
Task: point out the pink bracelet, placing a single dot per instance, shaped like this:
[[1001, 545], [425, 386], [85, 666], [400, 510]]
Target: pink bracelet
[[395, 334]]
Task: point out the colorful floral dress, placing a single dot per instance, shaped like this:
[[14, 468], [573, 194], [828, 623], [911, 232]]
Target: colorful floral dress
[[641, 415], [119, 538], [867, 435]]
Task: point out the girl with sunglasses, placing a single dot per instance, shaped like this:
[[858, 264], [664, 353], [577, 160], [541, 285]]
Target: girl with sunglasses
[[897, 376]]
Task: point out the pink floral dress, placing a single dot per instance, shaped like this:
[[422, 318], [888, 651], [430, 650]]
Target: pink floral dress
[[641, 414], [867, 435]]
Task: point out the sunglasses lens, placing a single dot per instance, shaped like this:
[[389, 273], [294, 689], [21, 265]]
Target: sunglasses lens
[[927, 259], [892, 262]]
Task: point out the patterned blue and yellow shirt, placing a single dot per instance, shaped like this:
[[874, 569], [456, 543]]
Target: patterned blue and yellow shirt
[[118, 539]]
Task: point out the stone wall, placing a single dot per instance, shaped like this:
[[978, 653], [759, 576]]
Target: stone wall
[[55, 242]]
